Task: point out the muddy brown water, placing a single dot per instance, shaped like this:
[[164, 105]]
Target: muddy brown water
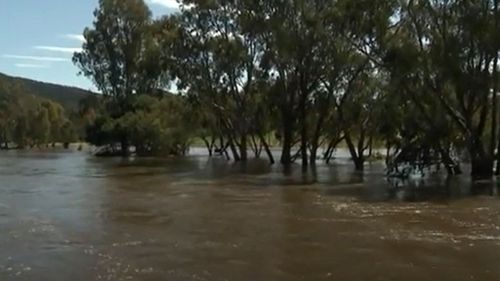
[[69, 216]]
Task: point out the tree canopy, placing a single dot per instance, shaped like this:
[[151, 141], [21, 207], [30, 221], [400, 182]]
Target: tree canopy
[[417, 77]]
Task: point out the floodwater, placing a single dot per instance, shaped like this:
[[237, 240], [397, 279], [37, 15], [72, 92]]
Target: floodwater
[[69, 216]]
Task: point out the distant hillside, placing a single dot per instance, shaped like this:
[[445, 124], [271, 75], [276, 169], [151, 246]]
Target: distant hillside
[[68, 97]]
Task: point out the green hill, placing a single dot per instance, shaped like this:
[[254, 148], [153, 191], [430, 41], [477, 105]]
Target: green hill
[[15, 87]]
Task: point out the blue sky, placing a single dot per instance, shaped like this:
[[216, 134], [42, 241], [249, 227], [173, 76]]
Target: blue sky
[[37, 37]]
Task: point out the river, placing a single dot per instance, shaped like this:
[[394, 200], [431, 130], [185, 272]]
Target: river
[[70, 216]]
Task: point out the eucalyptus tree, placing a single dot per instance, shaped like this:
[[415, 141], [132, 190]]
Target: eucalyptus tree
[[117, 56], [357, 111], [189, 55], [57, 119], [291, 32], [338, 61], [455, 47], [359, 32], [41, 127], [216, 57]]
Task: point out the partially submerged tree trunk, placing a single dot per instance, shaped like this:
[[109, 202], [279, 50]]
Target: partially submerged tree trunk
[[287, 141], [234, 151], [243, 148], [267, 149], [209, 145], [481, 162], [452, 167], [357, 152], [303, 131], [315, 141], [331, 148], [494, 120], [125, 147], [370, 146], [313, 154], [481, 168]]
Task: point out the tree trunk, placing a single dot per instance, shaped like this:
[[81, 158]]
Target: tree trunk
[[370, 147], [314, 154], [223, 151], [315, 142], [125, 147], [267, 149], [286, 152], [303, 132], [256, 148], [481, 167], [497, 170], [243, 149], [387, 152], [359, 164], [331, 149], [209, 146], [452, 167], [494, 114], [222, 144], [236, 156], [357, 156], [495, 101], [481, 161], [329, 153], [303, 151]]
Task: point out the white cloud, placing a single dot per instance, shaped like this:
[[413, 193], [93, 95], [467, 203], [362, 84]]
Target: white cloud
[[172, 4], [78, 37], [35, 58], [59, 49], [28, 65]]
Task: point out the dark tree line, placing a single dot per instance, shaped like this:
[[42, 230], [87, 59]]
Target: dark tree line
[[417, 77]]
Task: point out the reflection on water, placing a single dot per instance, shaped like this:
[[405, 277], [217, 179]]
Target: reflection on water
[[69, 216]]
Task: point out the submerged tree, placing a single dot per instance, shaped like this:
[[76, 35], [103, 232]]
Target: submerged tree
[[116, 57], [454, 63], [418, 77]]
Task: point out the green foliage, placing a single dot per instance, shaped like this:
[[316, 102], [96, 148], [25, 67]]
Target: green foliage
[[114, 53], [21, 103], [155, 126], [313, 72], [27, 121]]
